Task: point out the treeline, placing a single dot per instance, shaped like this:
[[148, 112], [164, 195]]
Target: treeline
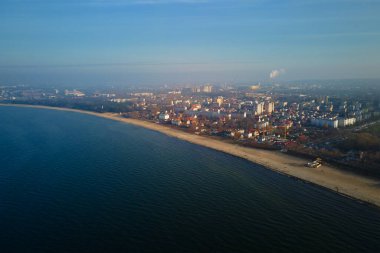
[[95, 105], [361, 141], [374, 130]]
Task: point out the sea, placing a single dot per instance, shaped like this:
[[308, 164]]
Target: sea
[[72, 182]]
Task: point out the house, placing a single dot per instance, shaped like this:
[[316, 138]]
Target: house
[[164, 117]]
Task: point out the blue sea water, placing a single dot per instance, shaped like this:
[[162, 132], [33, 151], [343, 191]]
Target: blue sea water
[[78, 183]]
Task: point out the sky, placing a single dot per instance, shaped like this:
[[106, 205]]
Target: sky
[[133, 42]]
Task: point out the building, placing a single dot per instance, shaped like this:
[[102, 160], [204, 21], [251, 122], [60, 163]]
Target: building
[[332, 123], [207, 88], [164, 116], [258, 108], [219, 100], [176, 122], [75, 93], [269, 107], [142, 94], [119, 100], [196, 107], [343, 122]]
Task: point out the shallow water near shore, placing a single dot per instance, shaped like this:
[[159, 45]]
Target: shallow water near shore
[[71, 182]]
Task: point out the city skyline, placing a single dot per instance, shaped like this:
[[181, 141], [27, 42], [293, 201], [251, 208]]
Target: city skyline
[[179, 41]]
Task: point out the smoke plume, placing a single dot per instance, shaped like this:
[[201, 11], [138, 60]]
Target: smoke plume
[[276, 73]]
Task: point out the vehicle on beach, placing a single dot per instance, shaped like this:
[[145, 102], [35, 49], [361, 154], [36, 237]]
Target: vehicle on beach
[[314, 164]]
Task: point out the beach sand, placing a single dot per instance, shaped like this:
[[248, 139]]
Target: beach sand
[[342, 182]]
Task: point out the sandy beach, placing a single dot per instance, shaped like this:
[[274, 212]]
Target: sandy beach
[[346, 183]]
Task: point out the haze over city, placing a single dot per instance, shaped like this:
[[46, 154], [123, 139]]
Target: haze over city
[[224, 126], [94, 42]]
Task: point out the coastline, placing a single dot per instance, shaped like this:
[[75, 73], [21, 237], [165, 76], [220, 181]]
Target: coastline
[[345, 183]]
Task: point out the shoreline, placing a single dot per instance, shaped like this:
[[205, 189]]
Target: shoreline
[[347, 184]]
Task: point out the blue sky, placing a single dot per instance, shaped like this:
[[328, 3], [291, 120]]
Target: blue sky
[[187, 41]]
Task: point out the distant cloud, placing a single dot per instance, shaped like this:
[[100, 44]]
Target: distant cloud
[[276, 73]]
